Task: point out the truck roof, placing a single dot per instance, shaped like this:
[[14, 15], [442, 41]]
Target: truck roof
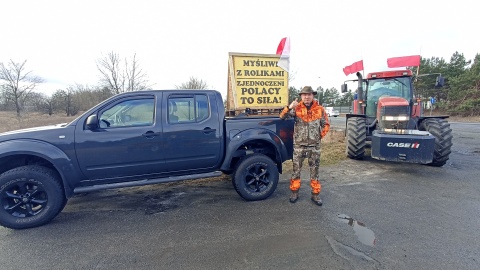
[[389, 74]]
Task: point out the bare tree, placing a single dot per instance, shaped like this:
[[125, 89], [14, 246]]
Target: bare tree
[[193, 83], [136, 78], [36, 101], [118, 79], [86, 96], [49, 105], [17, 84], [59, 102]]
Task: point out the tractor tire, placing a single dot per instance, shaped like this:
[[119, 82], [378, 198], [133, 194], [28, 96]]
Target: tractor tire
[[440, 129], [356, 138], [30, 196], [255, 177]]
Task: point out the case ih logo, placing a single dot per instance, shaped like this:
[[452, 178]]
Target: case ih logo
[[404, 145]]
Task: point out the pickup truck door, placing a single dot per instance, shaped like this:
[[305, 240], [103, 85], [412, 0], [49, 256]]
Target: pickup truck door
[[128, 142], [192, 131]]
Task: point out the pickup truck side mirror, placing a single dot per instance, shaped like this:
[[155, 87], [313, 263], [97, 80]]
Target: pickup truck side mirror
[[92, 122], [344, 88], [440, 82]]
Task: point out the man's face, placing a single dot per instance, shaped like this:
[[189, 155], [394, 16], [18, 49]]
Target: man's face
[[307, 98]]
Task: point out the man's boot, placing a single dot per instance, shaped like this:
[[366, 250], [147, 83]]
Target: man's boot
[[294, 196], [316, 199]]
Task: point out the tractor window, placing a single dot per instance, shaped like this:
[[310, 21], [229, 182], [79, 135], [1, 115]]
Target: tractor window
[[398, 87], [376, 88]]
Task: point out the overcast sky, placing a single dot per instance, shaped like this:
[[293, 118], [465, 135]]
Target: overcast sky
[[174, 40]]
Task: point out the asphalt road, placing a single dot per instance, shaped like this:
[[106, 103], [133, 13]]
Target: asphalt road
[[376, 215]]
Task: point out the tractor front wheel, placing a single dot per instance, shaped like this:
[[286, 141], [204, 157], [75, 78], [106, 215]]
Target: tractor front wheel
[[440, 129], [356, 138]]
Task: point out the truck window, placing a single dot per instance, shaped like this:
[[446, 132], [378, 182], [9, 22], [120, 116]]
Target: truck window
[[189, 109], [129, 113]]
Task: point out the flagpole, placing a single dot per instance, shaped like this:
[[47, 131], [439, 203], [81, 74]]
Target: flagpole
[[418, 68], [363, 70]]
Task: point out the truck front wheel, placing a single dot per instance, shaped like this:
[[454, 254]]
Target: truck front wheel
[[255, 177], [30, 196]]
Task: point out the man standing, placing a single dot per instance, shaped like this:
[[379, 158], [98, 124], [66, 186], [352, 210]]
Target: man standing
[[311, 125]]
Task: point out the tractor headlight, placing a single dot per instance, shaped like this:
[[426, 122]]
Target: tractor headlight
[[395, 118]]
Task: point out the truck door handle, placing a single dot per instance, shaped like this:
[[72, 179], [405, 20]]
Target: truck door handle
[[208, 130], [150, 134]]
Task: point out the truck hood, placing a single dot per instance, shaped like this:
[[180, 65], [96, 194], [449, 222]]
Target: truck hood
[[385, 101], [33, 133]]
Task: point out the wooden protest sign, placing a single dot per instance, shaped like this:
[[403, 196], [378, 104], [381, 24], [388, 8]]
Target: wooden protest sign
[[256, 82]]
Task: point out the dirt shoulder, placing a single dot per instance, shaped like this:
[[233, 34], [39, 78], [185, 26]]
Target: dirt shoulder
[[470, 119]]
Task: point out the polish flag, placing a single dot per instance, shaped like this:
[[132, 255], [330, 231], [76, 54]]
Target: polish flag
[[404, 61], [353, 68], [283, 50]]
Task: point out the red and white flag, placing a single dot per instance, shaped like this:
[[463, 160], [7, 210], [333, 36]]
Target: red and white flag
[[404, 61], [353, 68], [283, 50]]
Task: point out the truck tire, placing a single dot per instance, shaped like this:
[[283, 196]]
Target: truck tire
[[30, 196], [440, 129], [255, 177], [356, 137]]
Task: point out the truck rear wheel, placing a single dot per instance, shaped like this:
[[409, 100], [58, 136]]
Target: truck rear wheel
[[440, 129], [356, 137], [30, 196], [255, 177]]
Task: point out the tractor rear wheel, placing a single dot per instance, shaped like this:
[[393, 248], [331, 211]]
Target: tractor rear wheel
[[356, 137], [440, 129]]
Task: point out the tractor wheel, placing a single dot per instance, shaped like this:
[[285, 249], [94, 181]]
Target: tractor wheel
[[440, 129], [356, 137]]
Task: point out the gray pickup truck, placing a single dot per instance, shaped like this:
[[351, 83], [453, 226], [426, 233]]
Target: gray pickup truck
[[134, 139]]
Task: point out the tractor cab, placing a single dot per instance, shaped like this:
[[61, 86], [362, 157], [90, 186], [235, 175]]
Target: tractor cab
[[385, 99], [380, 85]]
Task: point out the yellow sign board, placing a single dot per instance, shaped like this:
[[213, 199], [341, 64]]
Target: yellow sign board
[[256, 82]]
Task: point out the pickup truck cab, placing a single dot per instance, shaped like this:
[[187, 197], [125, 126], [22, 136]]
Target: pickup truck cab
[[134, 139]]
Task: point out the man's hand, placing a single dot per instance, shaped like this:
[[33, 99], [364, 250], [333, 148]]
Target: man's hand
[[293, 104]]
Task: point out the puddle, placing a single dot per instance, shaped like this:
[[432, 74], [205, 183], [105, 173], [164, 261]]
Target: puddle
[[364, 234], [345, 251]]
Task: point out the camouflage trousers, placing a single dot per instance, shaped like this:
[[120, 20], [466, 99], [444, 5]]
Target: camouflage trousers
[[300, 153]]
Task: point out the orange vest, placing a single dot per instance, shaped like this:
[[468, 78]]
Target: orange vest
[[308, 123]]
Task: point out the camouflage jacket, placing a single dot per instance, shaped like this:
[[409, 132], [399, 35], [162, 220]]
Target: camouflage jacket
[[310, 124]]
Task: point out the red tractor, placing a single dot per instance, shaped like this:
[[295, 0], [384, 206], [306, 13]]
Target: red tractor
[[388, 115]]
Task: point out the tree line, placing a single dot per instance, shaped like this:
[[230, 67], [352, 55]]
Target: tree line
[[116, 75], [460, 94]]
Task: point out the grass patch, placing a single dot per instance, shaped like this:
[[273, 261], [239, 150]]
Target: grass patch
[[9, 121], [332, 153]]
